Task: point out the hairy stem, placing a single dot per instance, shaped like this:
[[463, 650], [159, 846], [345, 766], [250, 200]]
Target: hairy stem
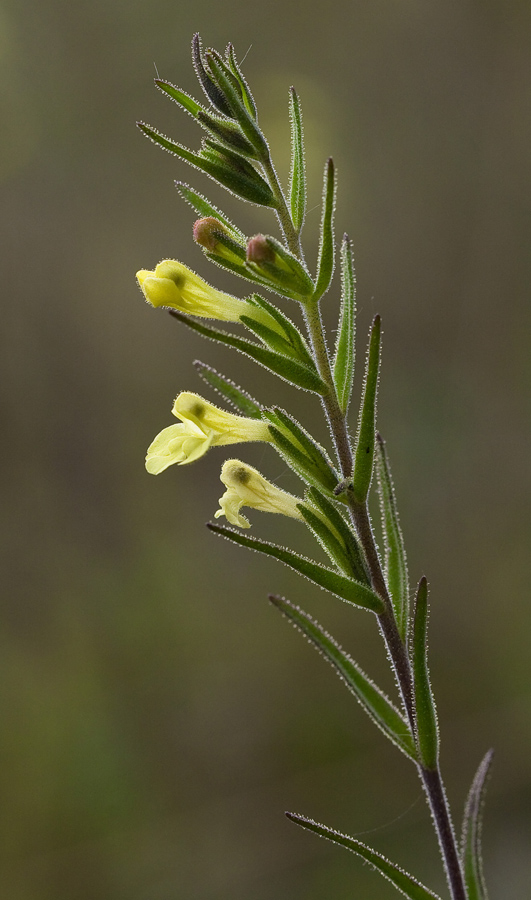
[[434, 787], [284, 217], [431, 779]]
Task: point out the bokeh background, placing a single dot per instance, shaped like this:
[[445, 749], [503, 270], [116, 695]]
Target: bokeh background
[[157, 716]]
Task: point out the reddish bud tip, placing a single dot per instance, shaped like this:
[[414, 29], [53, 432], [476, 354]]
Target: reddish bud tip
[[206, 232], [258, 250]]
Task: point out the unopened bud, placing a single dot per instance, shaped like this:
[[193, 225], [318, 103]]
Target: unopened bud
[[276, 264], [207, 232], [259, 251]]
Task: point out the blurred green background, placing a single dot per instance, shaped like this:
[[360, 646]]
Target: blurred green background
[[157, 716]]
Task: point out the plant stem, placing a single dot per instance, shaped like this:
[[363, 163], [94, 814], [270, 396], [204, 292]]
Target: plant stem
[[434, 787], [431, 779], [284, 217]]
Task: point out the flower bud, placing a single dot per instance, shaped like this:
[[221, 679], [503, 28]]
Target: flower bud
[[206, 232], [272, 261], [259, 251], [247, 487], [215, 238]]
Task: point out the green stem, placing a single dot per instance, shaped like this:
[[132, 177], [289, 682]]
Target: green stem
[[284, 216]]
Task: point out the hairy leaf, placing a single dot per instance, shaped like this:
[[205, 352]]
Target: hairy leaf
[[349, 540], [343, 367], [288, 369], [395, 553], [224, 79], [298, 164], [471, 837], [426, 716], [374, 701], [403, 882], [325, 265], [247, 97], [346, 588], [364, 454], [211, 89], [249, 187], [204, 208], [305, 455], [181, 97]]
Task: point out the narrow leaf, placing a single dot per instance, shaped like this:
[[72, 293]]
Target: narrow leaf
[[269, 336], [248, 98], [403, 882], [226, 131], [183, 99], [395, 554], [343, 367], [224, 78], [327, 538], [296, 458], [426, 716], [292, 439], [204, 208], [373, 700], [292, 333], [212, 91], [346, 588], [364, 454], [236, 396], [298, 164], [325, 265], [288, 369], [349, 540], [249, 187], [471, 836]]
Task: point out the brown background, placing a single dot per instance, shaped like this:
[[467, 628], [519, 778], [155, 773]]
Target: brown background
[[156, 716]]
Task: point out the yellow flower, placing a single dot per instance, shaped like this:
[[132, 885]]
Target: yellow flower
[[247, 487], [202, 425], [174, 285]]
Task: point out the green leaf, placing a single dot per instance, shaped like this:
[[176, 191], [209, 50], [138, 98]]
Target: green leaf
[[223, 78], [211, 89], [346, 588], [343, 366], [349, 541], [247, 97], [300, 450], [373, 700], [286, 270], [395, 553], [364, 453], [426, 716], [471, 836], [183, 99], [236, 396], [269, 336], [291, 332], [326, 537], [249, 187], [228, 132], [298, 165], [204, 208], [403, 882], [325, 265], [288, 369]]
